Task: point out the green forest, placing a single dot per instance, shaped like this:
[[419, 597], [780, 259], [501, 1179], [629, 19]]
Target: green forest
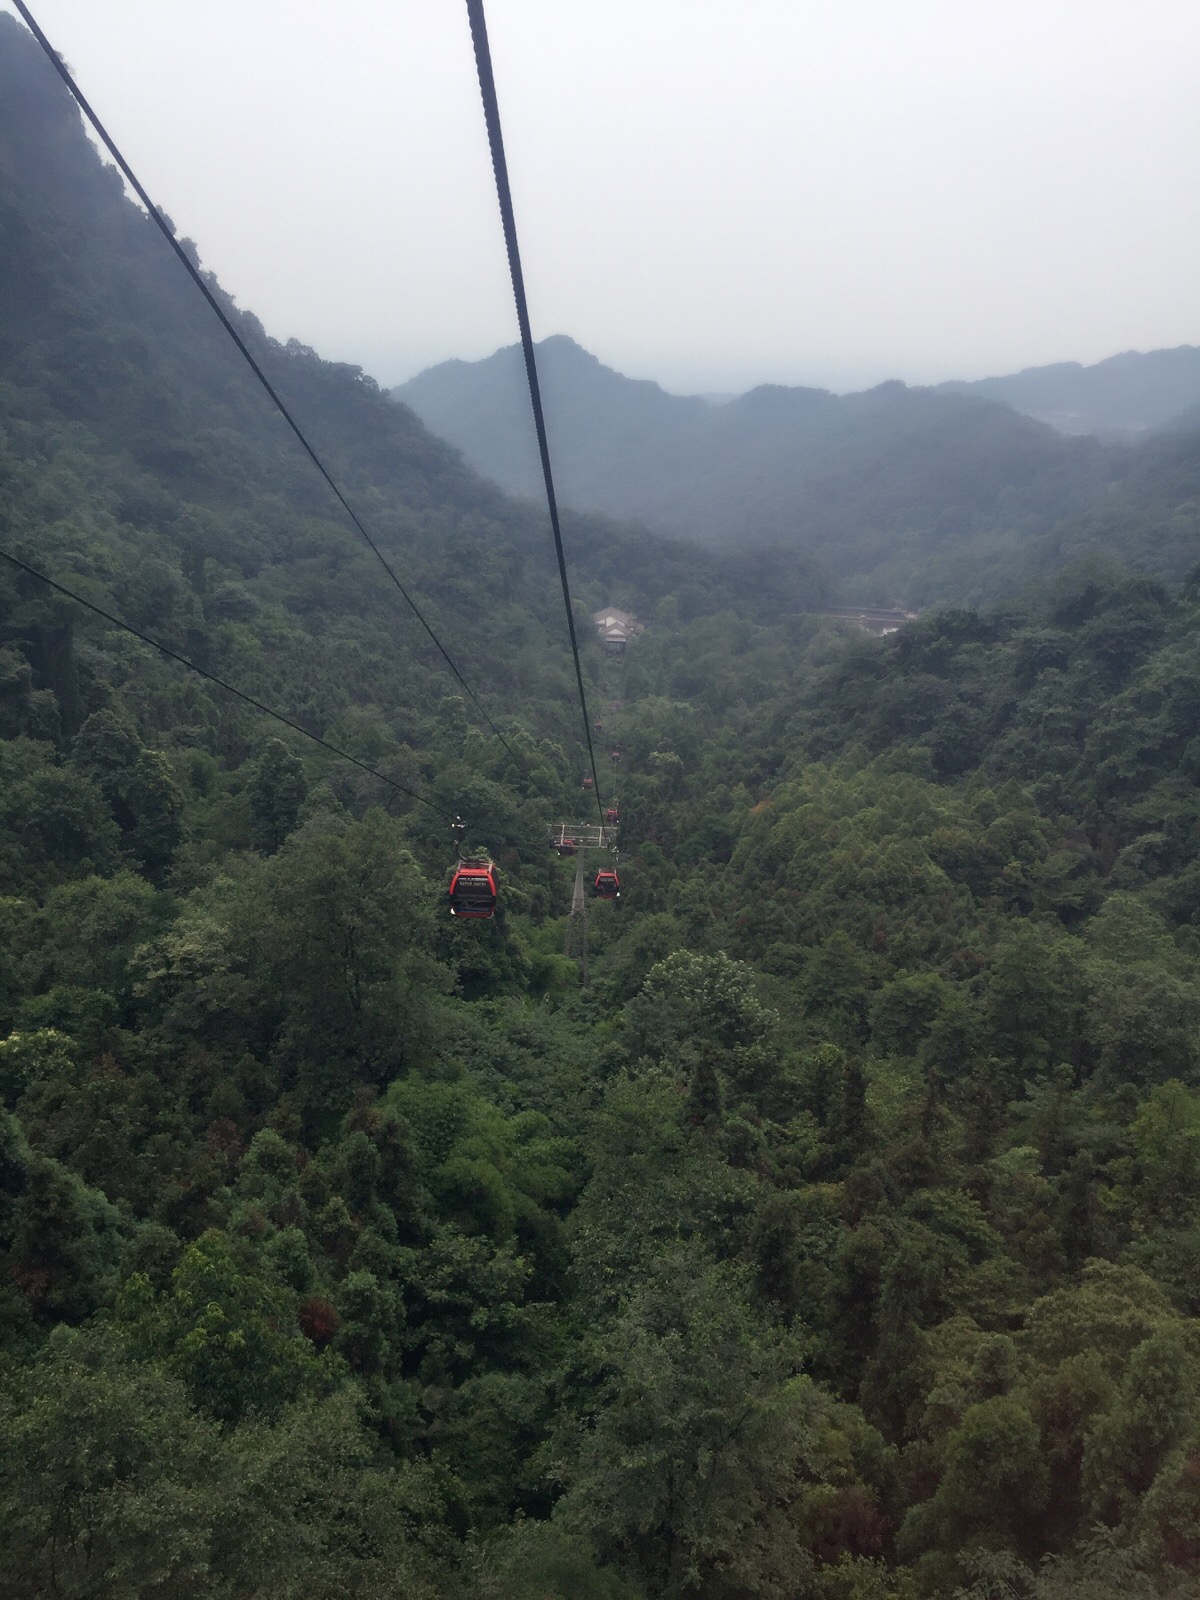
[[925, 496], [838, 1240]]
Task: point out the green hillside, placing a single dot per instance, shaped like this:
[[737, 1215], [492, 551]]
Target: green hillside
[[1122, 397], [914, 496], [879, 486], [837, 1241]]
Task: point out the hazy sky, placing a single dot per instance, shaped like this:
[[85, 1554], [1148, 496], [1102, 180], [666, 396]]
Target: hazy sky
[[710, 194]]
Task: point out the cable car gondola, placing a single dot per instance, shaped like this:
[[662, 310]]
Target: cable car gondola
[[474, 889], [616, 754], [587, 784], [612, 815], [606, 885]]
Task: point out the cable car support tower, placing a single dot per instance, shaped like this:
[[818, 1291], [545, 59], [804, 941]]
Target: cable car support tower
[[576, 942], [576, 839]]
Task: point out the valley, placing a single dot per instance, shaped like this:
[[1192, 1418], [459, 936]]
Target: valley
[[831, 1235]]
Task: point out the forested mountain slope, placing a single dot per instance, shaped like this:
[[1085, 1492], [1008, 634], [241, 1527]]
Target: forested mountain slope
[[838, 1242], [1119, 398], [872, 484], [906, 495], [106, 346]]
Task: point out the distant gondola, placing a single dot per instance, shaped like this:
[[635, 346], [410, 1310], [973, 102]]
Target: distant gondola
[[473, 889], [607, 886]]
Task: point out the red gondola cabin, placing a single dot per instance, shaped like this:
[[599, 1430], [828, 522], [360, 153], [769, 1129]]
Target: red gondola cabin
[[473, 889], [607, 886], [588, 784]]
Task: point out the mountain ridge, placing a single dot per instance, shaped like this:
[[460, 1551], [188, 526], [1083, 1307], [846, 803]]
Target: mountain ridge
[[1120, 398], [842, 477], [834, 1235]]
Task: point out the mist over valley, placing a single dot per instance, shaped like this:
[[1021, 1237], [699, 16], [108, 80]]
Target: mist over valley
[[953, 493], [707, 1109]]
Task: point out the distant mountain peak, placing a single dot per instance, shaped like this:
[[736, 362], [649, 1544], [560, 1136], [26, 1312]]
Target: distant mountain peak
[[562, 343], [1122, 397], [846, 477]]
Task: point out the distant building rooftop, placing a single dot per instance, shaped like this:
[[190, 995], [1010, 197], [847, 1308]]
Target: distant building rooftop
[[615, 627], [878, 620]]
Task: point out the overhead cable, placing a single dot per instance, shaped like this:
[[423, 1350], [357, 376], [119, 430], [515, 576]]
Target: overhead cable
[[221, 683], [491, 111], [194, 273]]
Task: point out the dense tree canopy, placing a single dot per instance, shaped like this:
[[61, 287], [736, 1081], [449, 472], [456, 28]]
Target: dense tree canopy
[[838, 1241]]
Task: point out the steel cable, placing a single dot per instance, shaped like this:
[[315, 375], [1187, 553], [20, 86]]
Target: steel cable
[[491, 111], [197, 278], [212, 677]]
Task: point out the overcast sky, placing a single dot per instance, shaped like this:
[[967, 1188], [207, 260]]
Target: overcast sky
[[710, 194]]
